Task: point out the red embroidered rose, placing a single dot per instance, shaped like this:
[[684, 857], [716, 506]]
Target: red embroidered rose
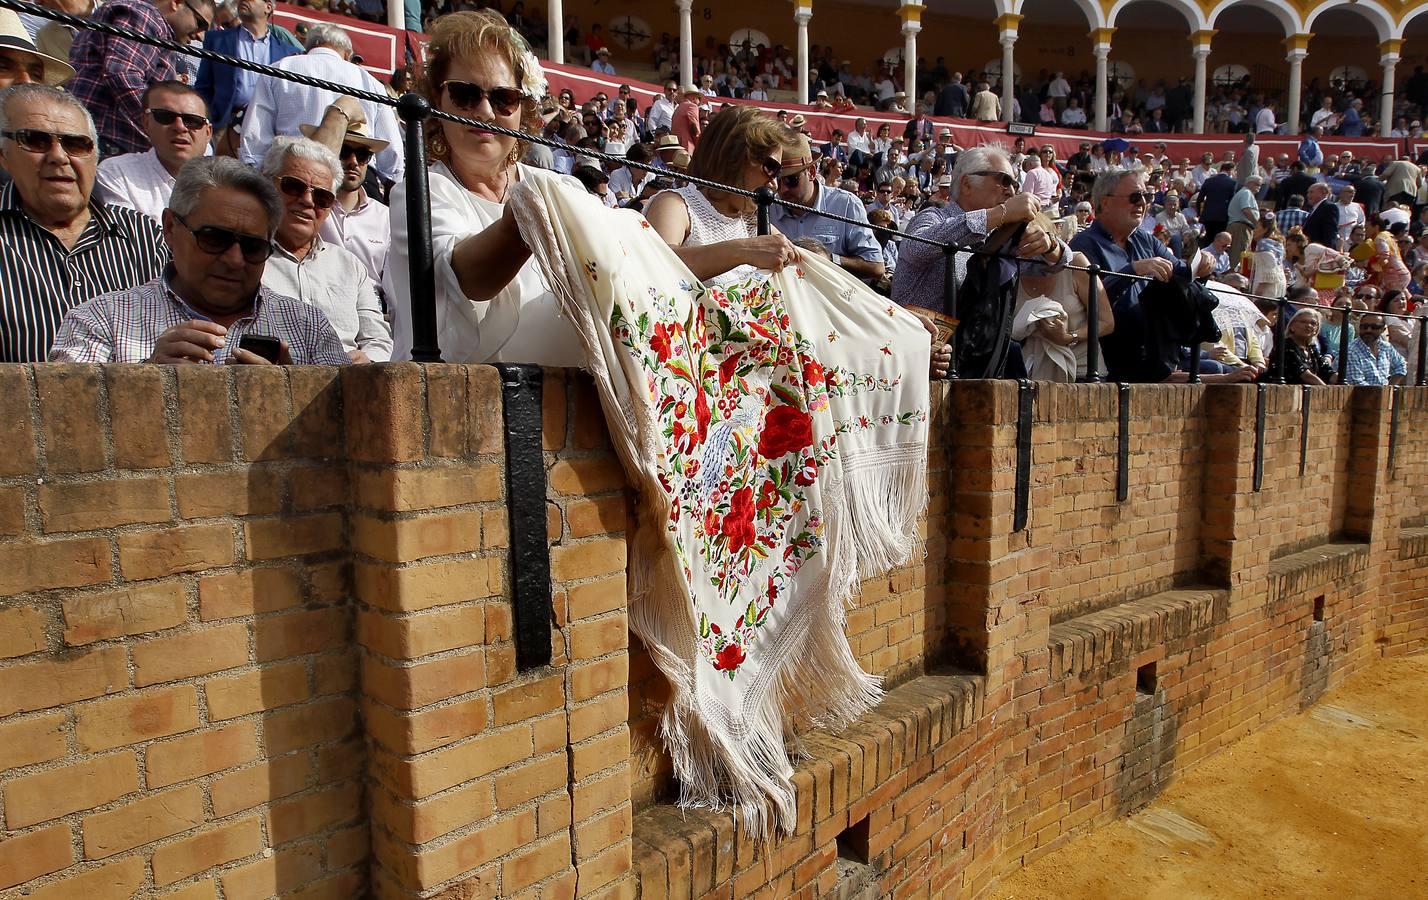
[[768, 496], [787, 429], [662, 342], [738, 524], [711, 522], [730, 658], [701, 414], [812, 373], [808, 474], [728, 367]]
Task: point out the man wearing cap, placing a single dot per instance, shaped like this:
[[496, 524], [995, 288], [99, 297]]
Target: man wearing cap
[[176, 124], [21, 62], [358, 223], [820, 100], [228, 89], [686, 126], [854, 247], [899, 104], [602, 62]]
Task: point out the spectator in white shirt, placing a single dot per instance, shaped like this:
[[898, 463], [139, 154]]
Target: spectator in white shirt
[[1039, 181], [1351, 215], [662, 109], [312, 270], [757, 92], [1264, 120], [281, 107], [176, 123], [1073, 116], [859, 140], [358, 223]]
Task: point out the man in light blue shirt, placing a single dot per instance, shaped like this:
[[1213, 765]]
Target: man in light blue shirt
[[853, 246], [1372, 360], [228, 89]]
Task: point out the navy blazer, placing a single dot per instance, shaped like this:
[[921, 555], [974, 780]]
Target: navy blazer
[[216, 81]]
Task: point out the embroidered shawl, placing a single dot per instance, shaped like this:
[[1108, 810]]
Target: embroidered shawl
[[776, 430]]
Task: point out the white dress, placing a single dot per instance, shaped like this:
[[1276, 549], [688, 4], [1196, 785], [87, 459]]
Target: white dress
[[709, 226], [523, 323]]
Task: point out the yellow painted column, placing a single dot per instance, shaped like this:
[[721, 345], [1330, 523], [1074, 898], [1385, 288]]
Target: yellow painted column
[[1200, 42], [1101, 49], [1007, 28], [1297, 47], [911, 14]]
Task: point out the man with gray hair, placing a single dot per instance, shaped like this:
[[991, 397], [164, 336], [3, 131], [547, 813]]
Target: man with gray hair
[[208, 305], [982, 197], [282, 107], [62, 244], [317, 272], [1244, 217]]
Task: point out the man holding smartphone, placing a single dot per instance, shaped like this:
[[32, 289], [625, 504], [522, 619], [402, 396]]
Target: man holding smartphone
[[208, 305]]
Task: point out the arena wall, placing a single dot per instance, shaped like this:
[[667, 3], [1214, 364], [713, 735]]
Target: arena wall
[[258, 634]]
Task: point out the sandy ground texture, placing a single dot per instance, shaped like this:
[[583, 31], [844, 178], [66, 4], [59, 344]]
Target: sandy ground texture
[[1331, 803]]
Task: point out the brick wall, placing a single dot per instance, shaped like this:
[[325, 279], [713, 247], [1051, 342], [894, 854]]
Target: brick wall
[[256, 636]]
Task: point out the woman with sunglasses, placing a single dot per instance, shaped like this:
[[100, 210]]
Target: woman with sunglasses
[[491, 304], [716, 234]]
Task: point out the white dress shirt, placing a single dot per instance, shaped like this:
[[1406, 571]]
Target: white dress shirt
[[522, 323], [365, 232], [335, 282], [661, 113], [138, 181], [863, 142], [279, 107]]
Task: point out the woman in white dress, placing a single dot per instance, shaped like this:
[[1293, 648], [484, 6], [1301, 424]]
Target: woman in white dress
[[491, 303]]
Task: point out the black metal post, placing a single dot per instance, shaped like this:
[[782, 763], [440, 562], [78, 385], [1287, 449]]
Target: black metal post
[[1093, 326], [1343, 359], [1122, 442], [1422, 352], [1304, 431], [1259, 411], [1281, 334], [1021, 501], [764, 197], [1195, 363], [950, 306], [413, 108]]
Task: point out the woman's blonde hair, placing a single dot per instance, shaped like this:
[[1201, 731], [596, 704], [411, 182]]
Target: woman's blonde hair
[[468, 35], [736, 137]]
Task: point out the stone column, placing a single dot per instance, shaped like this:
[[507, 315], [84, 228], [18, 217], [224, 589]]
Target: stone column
[[1297, 47], [1201, 40], [911, 14], [1388, 59], [1101, 49], [555, 24], [802, 12], [1007, 27], [686, 43]]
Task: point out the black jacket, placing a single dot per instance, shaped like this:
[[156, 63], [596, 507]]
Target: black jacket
[[952, 101], [1322, 226], [1291, 184]]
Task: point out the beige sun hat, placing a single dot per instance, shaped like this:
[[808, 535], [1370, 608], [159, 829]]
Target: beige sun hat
[[13, 36], [357, 133]]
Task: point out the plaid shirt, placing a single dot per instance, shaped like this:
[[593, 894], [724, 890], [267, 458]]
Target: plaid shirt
[[1373, 365], [123, 327], [110, 73], [1289, 217]]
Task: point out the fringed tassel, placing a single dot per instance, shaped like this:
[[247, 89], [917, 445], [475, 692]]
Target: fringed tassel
[[886, 498]]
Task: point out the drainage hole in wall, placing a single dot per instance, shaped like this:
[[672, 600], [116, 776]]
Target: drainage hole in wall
[[1145, 679], [1319, 608]]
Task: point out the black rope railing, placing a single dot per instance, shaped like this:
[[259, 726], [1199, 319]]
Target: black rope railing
[[414, 110]]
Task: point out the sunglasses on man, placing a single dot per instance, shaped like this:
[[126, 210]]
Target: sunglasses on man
[[191, 121], [34, 140], [1002, 178], [215, 241], [467, 96], [362, 155], [296, 188]]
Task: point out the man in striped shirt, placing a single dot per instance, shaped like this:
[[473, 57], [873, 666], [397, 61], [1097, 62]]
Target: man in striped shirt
[[209, 304], [62, 246]]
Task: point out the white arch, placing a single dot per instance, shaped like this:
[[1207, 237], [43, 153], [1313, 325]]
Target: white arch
[[1194, 16], [1095, 16], [1408, 16], [1287, 15], [1376, 15]]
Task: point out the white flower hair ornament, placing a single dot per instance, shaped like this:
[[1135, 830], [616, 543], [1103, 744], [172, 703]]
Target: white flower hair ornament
[[533, 82]]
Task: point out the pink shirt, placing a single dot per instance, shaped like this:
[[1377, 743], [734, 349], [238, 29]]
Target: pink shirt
[[1042, 182]]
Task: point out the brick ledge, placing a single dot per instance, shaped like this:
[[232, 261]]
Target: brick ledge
[[1086, 643]]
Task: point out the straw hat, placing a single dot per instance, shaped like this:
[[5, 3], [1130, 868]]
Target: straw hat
[[13, 36], [358, 133], [667, 142], [797, 160]]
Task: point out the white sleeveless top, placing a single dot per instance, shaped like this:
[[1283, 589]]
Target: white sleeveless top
[[709, 226]]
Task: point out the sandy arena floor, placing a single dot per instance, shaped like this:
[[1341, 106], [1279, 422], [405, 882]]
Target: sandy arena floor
[[1332, 803]]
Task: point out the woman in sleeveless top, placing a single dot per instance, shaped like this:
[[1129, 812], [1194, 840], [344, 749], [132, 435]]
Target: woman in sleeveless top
[[715, 233], [1068, 288]]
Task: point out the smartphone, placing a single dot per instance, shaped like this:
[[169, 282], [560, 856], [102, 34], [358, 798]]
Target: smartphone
[[265, 345]]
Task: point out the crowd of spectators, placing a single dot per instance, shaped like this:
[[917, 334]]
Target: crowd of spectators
[[239, 218]]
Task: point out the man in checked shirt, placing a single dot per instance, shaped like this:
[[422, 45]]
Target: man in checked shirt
[[111, 73]]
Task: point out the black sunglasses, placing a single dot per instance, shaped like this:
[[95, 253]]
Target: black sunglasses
[[191, 121], [322, 198], [36, 141], [792, 181], [1002, 178], [771, 167], [363, 155], [465, 95], [216, 241], [200, 20], [1135, 197]]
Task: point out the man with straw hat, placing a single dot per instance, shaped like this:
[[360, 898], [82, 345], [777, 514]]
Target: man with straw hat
[[21, 62], [686, 125], [357, 222]]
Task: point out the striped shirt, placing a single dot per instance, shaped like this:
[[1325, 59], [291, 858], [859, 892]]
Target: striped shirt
[[41, 279], [123, 327]]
